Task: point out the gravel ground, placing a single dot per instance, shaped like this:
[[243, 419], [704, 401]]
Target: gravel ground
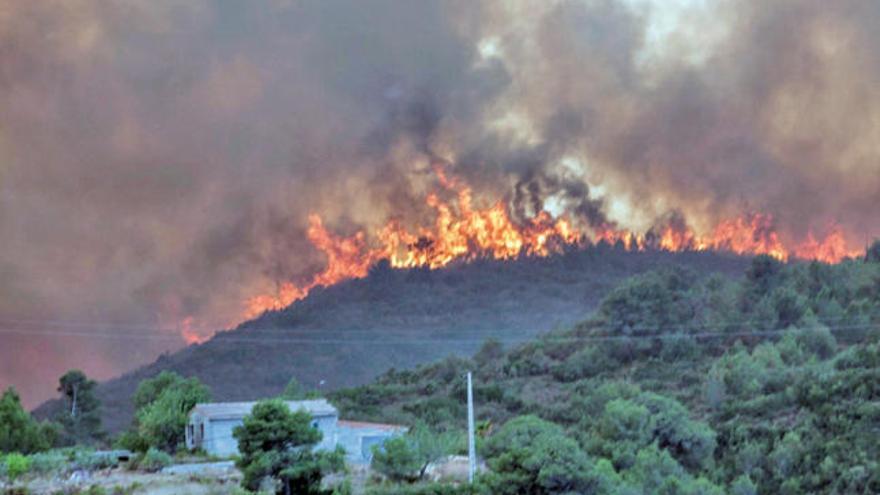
[[205, 479]]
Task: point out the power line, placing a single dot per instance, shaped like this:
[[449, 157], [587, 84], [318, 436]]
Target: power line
[[671, 334], [301, 330]]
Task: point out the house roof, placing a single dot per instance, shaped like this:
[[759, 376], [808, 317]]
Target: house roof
[[235, 410], [373, 426]]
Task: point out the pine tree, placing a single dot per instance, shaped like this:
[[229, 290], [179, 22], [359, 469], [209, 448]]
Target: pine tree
[[81, 418]]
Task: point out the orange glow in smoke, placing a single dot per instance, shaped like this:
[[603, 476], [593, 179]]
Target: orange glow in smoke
[[189, 332]]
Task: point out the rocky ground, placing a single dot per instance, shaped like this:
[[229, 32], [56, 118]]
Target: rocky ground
[[189, 479]]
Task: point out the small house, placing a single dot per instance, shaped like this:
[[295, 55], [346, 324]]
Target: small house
[[210, 426]]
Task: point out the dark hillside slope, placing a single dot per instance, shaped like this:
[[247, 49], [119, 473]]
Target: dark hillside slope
[[345, 335]]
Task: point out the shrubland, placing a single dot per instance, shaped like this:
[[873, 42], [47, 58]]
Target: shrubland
[[679, 383]]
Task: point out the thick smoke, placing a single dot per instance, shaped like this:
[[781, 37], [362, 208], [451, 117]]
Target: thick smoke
[[158, 159]]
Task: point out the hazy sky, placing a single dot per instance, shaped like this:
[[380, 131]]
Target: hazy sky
[[158, 158]]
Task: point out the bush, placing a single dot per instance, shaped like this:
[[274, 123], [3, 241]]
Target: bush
[[154, 460], [817, 340], [649, 304], [90, 460], [397, 460], [743, 486], [585, 363], [530, 455], [406, 458], [679, 348], [96, 490], [430, 489], [17, 466], [48, 462], [131, 440]]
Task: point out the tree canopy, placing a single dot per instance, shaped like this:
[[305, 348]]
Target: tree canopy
[[277, 444], [80, 419], [19, 432], [164, 402]]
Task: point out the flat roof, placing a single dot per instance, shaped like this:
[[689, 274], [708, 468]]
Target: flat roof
[[365, 425], [235, 410]]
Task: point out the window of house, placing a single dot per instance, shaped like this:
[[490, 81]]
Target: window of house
[[201, 431]]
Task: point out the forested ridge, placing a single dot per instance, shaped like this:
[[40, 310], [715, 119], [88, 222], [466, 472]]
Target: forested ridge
[[679, 383]]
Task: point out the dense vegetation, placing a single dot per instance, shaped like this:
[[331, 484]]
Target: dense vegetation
[[679, 384], [19, 432], [346, 335]]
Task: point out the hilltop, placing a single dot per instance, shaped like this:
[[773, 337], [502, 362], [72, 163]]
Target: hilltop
[[347, 334]]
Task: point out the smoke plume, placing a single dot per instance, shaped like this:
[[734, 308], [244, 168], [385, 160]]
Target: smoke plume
[[159, 159]]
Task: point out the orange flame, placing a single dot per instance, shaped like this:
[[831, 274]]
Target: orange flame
[[754, 234], [462, 231]]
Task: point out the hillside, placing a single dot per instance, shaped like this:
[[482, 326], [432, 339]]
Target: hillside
[[347, 334], [678, 383]]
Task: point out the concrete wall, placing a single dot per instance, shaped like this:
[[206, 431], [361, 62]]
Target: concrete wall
[[218, 437], [358, 442], [327, 425], [219, 441]]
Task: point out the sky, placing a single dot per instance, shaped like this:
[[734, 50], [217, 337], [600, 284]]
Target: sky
[[159, 158]]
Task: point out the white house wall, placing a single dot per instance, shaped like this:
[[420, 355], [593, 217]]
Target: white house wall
[[219, 439]]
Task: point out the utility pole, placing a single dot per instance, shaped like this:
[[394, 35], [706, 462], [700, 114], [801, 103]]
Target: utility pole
[[472, 448]]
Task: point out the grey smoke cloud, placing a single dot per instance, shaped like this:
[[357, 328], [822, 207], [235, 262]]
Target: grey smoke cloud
[[159, 159]]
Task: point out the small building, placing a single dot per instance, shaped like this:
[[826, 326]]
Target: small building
[[358, 438], [210, 427]]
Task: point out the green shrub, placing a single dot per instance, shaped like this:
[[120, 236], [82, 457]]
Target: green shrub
[[126, 490], [17, 466], [397, 459], [430, 489], [343, 488], [48, 462], [131, 440], [154, 460], [406, 458], [92, 461], [585, 363], [679, 348]]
